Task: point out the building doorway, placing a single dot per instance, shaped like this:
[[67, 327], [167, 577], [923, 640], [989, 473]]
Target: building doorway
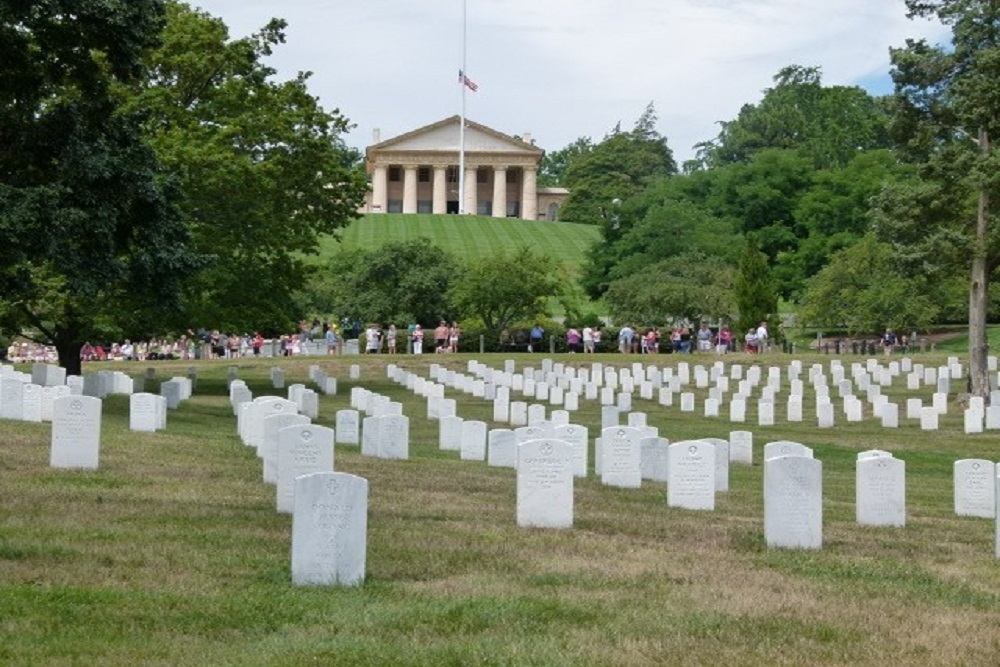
[[452, 207]]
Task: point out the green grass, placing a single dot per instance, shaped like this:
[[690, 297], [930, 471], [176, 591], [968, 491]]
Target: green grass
[[469, 236], [172, 553]]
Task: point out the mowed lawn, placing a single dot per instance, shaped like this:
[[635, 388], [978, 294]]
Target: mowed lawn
[[172, 553], [470, 236]]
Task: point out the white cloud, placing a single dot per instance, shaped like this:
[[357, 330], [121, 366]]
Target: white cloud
[[562, 69]]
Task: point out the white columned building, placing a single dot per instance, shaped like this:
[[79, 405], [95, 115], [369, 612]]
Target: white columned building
[[417, 172]]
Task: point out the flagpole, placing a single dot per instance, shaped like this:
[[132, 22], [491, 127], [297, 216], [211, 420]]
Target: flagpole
[[461, 125]]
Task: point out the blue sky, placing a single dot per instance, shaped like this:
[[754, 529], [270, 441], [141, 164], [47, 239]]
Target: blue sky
[[562, 69]]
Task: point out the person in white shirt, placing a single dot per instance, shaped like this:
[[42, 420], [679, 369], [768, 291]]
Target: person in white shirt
[[762, 337], [588, 340]]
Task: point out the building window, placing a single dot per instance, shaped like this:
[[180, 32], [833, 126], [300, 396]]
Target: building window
[[484, 208], [395, 174], [425, 206], [424, 175], [513, 209], [511, 176], [395, 206], [482, 176], [452, 174]]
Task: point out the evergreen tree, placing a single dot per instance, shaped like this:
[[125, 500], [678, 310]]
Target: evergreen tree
[[756, 299]]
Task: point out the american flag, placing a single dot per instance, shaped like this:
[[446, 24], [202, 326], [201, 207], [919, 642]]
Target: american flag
[[469, 83]]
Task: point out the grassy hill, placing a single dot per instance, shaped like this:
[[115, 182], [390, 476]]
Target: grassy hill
[[469, 236]]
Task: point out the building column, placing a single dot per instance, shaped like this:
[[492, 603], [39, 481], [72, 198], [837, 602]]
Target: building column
[[471, 191], [439, 203], [410, 189], [499, 192], [380, 191], [529, 193]]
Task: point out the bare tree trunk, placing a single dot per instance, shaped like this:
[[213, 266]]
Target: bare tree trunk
[[978, 288]]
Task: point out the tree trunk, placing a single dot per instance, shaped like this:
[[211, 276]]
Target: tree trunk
[[68, 347], [979, 384]]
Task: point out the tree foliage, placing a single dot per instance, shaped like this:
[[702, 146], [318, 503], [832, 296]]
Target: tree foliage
[[262, 166], [620, 166], [691, 286], [507, 288], [862, 290], [89, 239], [756, 299], [946, 118], [404, 282], [828, 125]]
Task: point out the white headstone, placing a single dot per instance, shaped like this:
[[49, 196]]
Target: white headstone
[[501, 448], [348, 427], [144, 412], [578, 438], [621, 454], [76, 432], [302, 450], [545, 484], [329, 529], [975, 493], [741, 447], [691, 475], [880, 491], [473, 445], [793, 502], [269, 445], [394, 437], [450, 433]]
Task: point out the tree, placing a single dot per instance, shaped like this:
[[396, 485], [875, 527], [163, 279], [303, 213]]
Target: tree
[[691, 286], [946, 116], [622, 165], [828, 125], [862, 290], [552, 172], [88, 234], [404, 282], [756, 299], [665, 228], [506, 288], [262, 166]]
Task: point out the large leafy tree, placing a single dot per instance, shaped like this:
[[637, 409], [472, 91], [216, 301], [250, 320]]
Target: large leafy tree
[[89, 240], [946, 118], [507, 288], [405, 282], [619, 167], [691, 286], [262, 166], [828, 125], [863, 290]]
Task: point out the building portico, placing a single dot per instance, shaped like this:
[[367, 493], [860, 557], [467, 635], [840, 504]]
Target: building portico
[[418, 172]]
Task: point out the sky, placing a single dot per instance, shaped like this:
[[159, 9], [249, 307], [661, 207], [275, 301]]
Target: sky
[[563, 69]]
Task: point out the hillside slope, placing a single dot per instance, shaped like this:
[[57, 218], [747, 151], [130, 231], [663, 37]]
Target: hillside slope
[[470, 236]]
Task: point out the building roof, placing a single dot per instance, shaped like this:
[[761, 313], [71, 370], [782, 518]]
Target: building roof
[[443, 137]]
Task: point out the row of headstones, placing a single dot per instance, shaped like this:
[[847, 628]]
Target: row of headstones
[[329, 509], [28, 397], [977, 417]]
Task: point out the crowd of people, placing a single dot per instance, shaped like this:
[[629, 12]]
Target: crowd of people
[[316, 337]]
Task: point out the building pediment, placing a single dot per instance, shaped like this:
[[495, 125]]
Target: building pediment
[[445, 137]]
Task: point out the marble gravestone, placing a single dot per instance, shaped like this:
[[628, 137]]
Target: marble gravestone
[[974, 481], [621, 457], [303, 449], [691, 475], [347, 427], [545, 484], [329, 529], [793, 502], [880, 491], [76, 432]]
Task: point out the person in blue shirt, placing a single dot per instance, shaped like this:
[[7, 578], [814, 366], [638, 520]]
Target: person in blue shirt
[[535, 338]]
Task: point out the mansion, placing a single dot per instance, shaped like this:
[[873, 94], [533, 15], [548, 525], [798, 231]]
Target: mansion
[[417, 172]]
